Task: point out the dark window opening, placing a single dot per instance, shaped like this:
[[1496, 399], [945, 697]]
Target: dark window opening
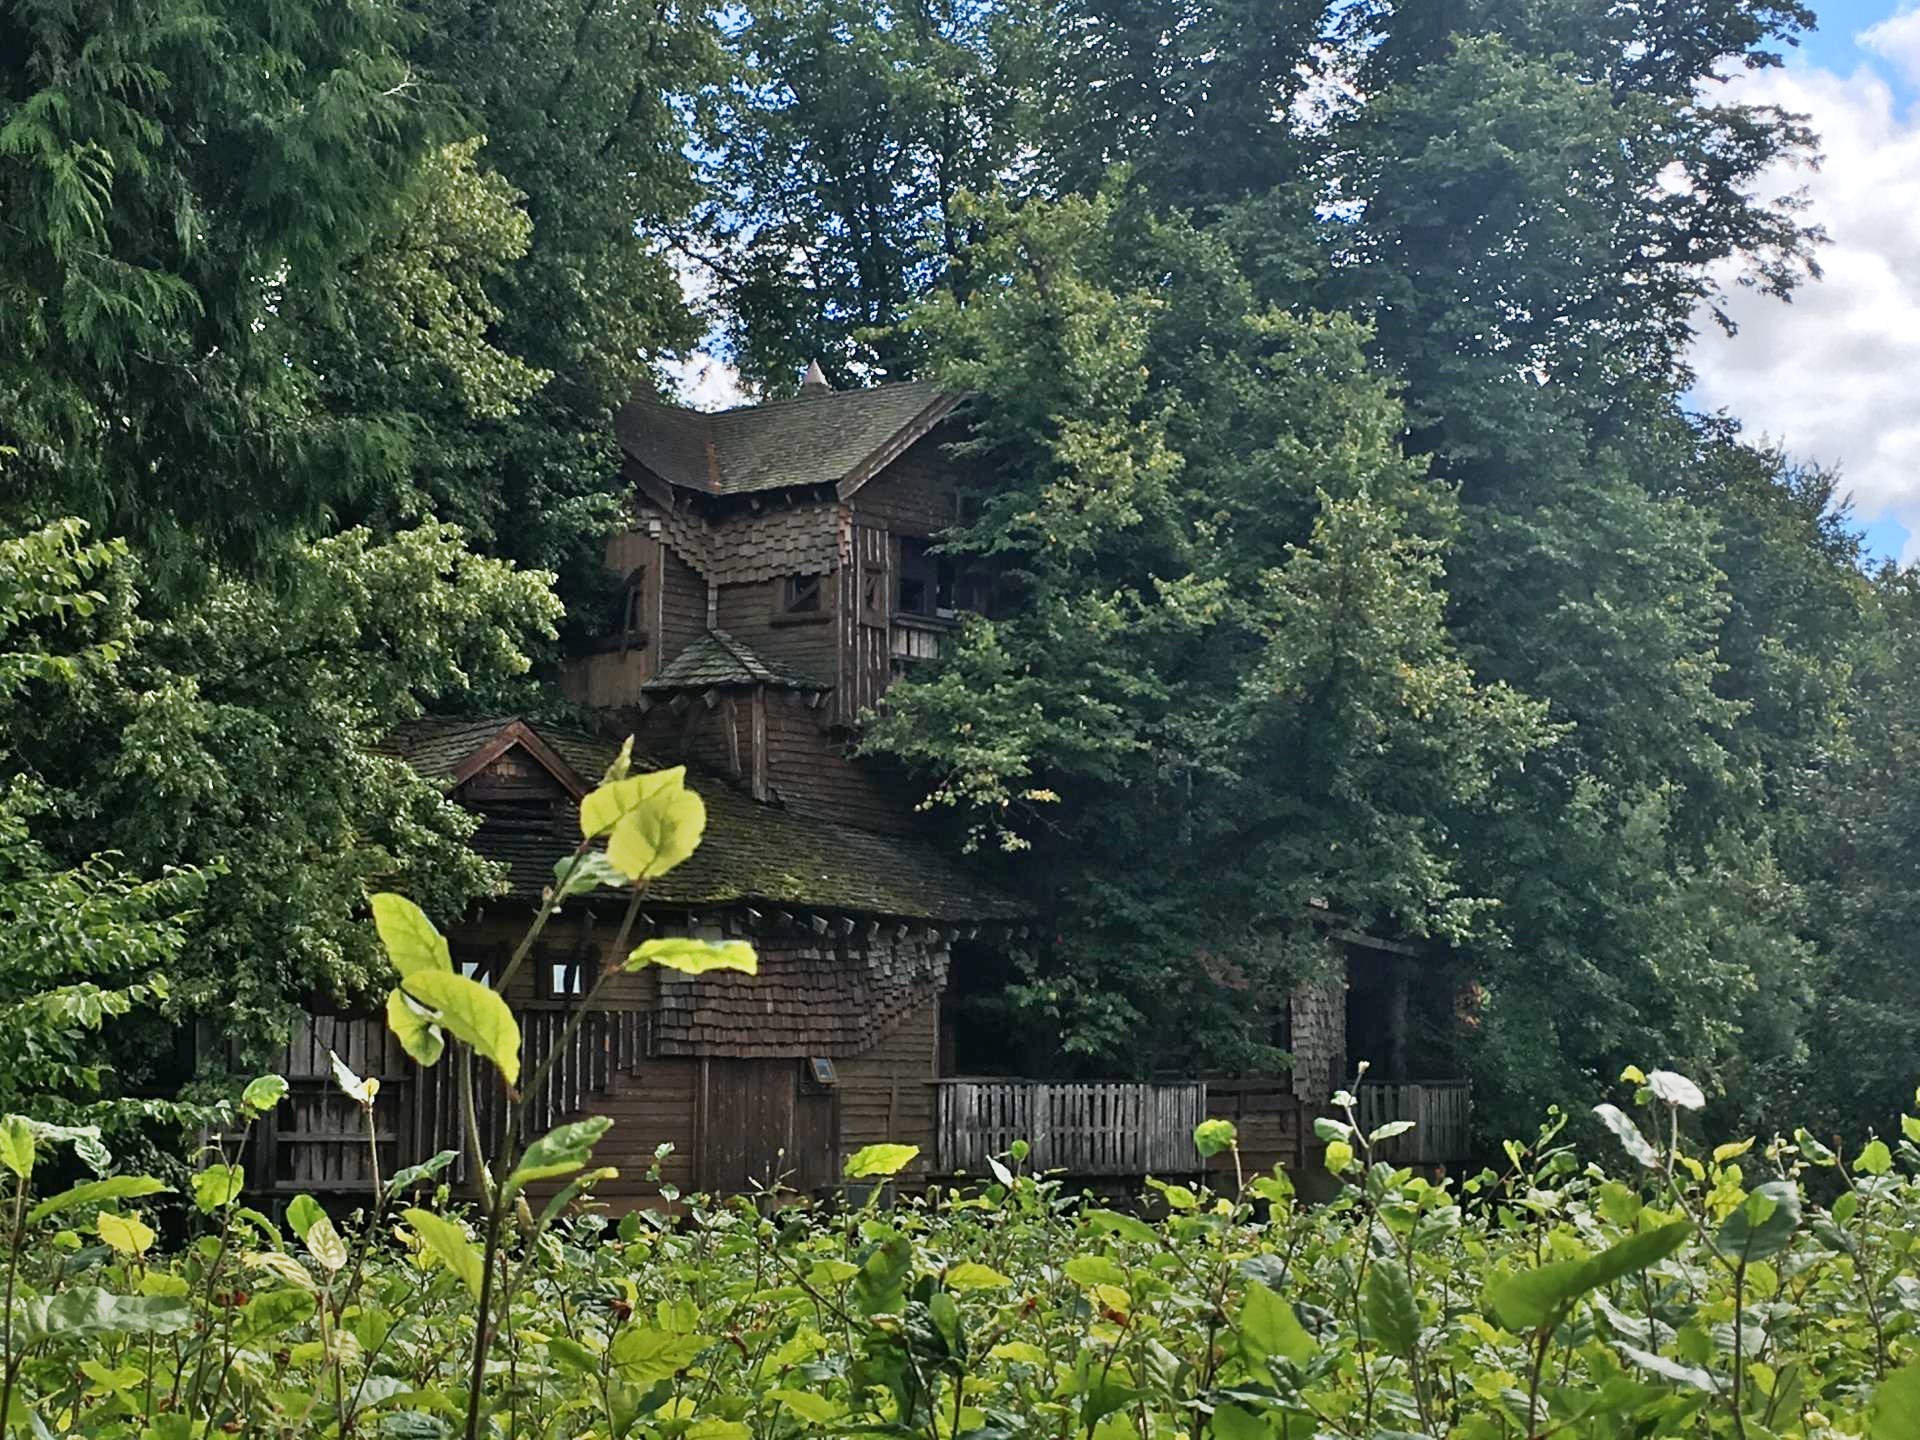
[[932, 584], [631, 624], [803, 594]]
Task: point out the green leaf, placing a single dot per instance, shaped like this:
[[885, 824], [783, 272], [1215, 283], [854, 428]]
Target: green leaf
[[695, 957], [605, 807], [406, 1179], [1210, 1137], [816, 1409], [413, 1027], [329, 1251], [1874, 1158], [1628, 1134], [880, 1160], [16, 1145], [125, 1234], [1231, 1422], [1535, 1297], [1268, 1327], [303, 1213], [450, 1246], [472, 1013], [1764, 1223], [264, 1093], [88, 1310], [1389, 1130], [971, 1275], [586, 873], [218, 1186], [1896, 1406], [1339, 1155], [561, 1151], [410, 937], [1127, 1227], [1391, 1312], [1091, 1270], [1689, 1375], [97, 1192], [663, 830], [644, 1355]]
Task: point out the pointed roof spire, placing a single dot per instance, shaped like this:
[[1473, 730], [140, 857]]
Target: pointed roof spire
[[815, 380]]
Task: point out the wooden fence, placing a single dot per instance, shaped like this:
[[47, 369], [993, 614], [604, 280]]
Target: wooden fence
[[1442, 1116], [1093, 1129], [318, 1140]]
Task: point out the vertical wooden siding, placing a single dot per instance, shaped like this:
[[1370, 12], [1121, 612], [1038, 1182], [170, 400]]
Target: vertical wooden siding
[[1096, 1128]]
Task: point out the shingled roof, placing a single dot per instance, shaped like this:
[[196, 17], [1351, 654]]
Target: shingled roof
[[839, 438], [716, 658], [751, 852]]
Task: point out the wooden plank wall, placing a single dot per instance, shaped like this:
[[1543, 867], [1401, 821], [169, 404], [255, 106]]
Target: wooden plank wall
[[683, 606], [1442, 1116], [866, 667], [887, 1094], [613, 677], [804, 644], [1271, 1120], [1095, 1128], [812, 773]]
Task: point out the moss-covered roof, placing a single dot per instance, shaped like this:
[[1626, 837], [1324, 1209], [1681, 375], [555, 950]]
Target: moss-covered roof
[[716, 658], [806, 441], [752, 852]]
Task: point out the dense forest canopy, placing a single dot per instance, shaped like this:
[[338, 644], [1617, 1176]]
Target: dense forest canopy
[[1360, 546]]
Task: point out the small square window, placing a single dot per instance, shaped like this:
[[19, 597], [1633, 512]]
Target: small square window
[[803, 594], [565, 979], [476, 969]]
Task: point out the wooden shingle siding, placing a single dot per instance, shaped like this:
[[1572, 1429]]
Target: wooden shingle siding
[[915, 494], [683, 606], [813, 774]]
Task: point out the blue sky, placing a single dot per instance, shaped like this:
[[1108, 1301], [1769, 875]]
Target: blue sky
[[1835, 376]]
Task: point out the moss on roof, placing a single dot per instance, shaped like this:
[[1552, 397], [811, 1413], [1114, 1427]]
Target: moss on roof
[[752, 852]]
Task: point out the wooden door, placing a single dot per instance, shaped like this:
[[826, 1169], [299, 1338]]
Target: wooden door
[[758, 1126]]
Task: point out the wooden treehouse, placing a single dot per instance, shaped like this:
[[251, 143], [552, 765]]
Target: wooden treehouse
[[777, 577]]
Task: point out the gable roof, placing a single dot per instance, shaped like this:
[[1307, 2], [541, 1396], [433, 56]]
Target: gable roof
[[716, 658], [841, 438], [752, 852]]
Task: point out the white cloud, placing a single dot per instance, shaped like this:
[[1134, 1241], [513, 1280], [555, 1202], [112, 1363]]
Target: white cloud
[[1835, 376], [705, 382], [1896, 39]]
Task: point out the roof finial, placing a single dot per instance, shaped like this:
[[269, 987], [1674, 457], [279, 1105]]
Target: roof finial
[[815, 380]]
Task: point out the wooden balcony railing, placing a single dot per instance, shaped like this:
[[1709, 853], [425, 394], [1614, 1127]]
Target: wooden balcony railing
[[1091, 1129], [1442, 1115]]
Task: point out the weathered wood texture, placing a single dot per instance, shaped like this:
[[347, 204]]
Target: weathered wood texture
[[887, 1092], [812, 773], [866, 602], [916, 494], [804, 644], [1442, 1116], [1092, 1129], [1271, 1120]]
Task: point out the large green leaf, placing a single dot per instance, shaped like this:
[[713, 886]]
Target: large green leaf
[[89, 1310], [658, 834], [560, 1151], [264, 1093], [411, 1175], [603, 808], [472, 1013], [1268, 1327], [586, 873], [877, 1160], [412, 941], [695, 957], [1763, 1224], [218, 1186], [1896, 1406], [16, 1145], [413, 1027], [97, 1192], [1392, 1314], [1534, 1297], [450, 1246], [644, 1355], [1629, 1135]]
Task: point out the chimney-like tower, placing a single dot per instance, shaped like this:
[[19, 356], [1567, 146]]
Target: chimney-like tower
[[815, 380]]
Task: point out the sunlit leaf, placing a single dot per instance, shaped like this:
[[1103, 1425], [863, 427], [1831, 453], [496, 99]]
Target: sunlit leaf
[[411, 940], [449, 1245], [880, 1160], [471, 1013], [695, 957]]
